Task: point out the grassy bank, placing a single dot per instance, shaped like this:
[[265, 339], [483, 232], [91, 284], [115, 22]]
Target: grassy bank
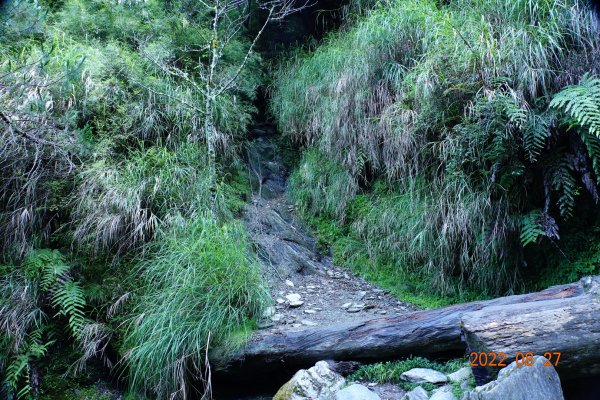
[[441, 143]]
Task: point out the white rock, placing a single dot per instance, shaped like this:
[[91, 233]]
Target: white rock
[[295, 304], [461, 375], [276, 317], [443, 393], [289, 283], [310, 311], [417, 393], [318, 382], [346, 305], [293, 297], [308, 323], [536, 382], [424, 375], [280, 300], [356, 392], [269, 311], [360, 295]]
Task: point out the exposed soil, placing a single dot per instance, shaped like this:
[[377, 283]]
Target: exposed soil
[[307, 289]]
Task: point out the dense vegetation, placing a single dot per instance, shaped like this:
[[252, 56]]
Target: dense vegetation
[[107, 238], [446, 144], [451, 143]]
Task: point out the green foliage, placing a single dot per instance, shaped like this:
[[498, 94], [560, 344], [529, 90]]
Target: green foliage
[[390, 371], [321, 186], [101, 154], [531, 229], [18, 376], [201, 286], [451, 104], [582, 103]]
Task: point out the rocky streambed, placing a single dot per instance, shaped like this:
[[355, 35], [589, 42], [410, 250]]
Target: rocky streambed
[[306, 287]]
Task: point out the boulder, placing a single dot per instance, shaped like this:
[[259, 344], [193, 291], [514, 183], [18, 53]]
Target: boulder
[[356, 392], [443, 393], [462, 374], [316, 383], [417, 393], [424, 375], [537, 382]]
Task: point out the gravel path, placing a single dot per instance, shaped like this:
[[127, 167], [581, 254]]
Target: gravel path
[[307, 289]]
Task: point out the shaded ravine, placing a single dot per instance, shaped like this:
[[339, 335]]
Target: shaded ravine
[[306, 288]]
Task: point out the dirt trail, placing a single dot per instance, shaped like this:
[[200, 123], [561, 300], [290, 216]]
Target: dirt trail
[[307, 289]]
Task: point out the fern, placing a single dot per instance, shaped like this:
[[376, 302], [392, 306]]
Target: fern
[[592, 144], [19, 368], [565, 184], [70, 300], [582, 103], [68, 297], [531, 227], [535, 132]]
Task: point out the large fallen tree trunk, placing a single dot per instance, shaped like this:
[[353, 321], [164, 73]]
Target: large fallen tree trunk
[[562, 318], [566, 331]]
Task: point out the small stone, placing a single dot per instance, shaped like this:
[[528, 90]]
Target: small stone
[[289, 283], [293, 297], [372, 384], [354, 309], [296, 325], [346, 305], [460, 375], [424, 375], [295, 304], [308, 323], [465, 385], [361, 295], [346, 276], [276, 317], [269, 311], [443, 393], [264, 325], [310, 311], [382, 312], [311, 287], [318, 309], [417, 393], [356, 392], [280, 300]]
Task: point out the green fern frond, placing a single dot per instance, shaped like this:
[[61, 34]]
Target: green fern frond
[[70, 300], [565, 184], [582, 103], [67, 295], [531, 228], [592, 144], [535, 132]]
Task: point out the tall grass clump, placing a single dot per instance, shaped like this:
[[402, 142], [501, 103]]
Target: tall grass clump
[[450, 105], [103, 163], [201, 287]]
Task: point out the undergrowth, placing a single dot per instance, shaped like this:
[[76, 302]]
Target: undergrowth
[[391, 371], [450, 139]]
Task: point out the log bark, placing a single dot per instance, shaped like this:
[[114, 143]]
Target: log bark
[[566, 311], [570, 326]]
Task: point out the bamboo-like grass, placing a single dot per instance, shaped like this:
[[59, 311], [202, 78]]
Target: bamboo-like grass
[[201, 286], [397, 97]]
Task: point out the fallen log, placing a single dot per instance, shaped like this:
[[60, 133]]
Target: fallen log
[[437, 333], [566, 331]]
